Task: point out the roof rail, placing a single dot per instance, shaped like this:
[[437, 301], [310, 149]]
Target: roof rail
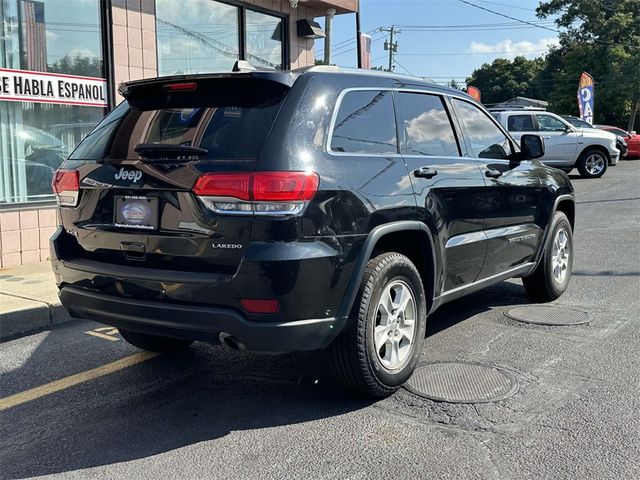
[[516, 107]]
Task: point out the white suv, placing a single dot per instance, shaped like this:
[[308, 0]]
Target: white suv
[[566, 147]]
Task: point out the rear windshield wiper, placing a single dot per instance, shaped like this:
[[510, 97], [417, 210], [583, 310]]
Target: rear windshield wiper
[[168, 150]]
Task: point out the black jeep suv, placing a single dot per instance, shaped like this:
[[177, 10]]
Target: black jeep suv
[[305, 210]]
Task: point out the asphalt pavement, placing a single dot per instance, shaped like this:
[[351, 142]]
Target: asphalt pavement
[[78, 402]]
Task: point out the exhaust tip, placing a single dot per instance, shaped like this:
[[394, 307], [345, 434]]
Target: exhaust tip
[[229, 341]]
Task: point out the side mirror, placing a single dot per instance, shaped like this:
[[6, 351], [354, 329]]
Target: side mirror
[[633, 132], [531, 147], [569, 129]]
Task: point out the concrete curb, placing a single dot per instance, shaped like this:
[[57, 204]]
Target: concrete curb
[[20, 316], [29, 300]]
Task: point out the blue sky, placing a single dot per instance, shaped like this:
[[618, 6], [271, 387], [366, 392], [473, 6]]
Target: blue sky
[[442, 53]]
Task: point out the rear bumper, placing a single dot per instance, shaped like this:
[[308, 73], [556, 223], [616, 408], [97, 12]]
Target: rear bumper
[[200, 323]]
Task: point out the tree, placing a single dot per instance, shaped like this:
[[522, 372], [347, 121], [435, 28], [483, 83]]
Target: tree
[[78, 65], [603, 38], [504, 79], [454, 84]]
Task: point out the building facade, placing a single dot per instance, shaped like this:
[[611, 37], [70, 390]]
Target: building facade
[[62, 60]]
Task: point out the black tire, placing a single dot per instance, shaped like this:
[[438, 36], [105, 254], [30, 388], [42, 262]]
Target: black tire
[[355, 359], [587, 171], [154, 343], [542, 284]]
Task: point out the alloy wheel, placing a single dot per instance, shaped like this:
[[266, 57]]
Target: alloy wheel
[[395, 325], [560, 255]]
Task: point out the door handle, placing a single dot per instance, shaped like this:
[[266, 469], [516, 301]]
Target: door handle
[[493, 173], [548, 137], [425, 172]]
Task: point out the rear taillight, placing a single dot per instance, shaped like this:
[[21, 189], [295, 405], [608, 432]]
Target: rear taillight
[[257, 193], [66, 186]]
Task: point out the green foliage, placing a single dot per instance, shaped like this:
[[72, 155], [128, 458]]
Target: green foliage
[[454, 84], [601, 37], [504, 79], [79, 65]]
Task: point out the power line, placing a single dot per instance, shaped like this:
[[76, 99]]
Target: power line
[[413, 54], [506, 5], [539, 26], [402, 67]]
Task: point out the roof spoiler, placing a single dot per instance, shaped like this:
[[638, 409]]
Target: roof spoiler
[[241, 69]]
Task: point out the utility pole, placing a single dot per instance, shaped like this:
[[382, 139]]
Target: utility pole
[[390, 45], [328, 30]]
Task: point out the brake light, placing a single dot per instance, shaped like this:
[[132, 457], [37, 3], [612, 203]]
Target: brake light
[[234, 185], [66, 186], [181, 87], [259, 193]]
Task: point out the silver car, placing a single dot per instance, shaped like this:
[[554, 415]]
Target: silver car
[[591, 151]]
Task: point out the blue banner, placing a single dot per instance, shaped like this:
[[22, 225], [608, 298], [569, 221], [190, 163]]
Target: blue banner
[[586, 95]]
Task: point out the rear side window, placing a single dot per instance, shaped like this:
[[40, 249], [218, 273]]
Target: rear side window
[[520, 123], [425, 126], [218, 116], [365, 124], [487, 140]]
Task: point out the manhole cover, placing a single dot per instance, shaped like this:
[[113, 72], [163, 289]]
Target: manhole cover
[[548, 315], [457, 382]]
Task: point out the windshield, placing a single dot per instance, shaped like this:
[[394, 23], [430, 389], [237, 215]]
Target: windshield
[[576, 122]]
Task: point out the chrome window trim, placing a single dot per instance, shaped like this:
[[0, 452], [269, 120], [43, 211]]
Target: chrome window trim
[[426, 90]]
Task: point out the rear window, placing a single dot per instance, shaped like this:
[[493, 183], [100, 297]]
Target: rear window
[[520, 123], [224, 118]]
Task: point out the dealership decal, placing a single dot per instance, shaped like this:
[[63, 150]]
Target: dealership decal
[[26, 86]]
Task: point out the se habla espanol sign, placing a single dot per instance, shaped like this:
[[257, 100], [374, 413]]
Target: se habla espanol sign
[[27, 86]]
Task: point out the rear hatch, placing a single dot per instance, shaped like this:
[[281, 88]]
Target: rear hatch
[[137, 170]]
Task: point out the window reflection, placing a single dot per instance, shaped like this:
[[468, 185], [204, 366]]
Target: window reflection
[[365, 124], [55, 36], [196, 36], [427, 128], [264, 39], [487, 140]]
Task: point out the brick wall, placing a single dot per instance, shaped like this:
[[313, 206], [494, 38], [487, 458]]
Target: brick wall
[[24, 236], [134, 40]]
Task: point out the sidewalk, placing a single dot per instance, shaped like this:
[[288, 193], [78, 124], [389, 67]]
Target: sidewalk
[[29, 300]]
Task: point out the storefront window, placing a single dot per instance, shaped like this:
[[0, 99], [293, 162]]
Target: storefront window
[[199, 36], [196, 36], [55, 37], [264, 39]]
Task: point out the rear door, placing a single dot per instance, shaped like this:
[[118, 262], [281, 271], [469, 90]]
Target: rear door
[[139, 166], [449, 188]]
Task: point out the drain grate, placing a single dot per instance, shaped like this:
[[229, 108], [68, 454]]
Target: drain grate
[[548, 315], [459, 382]]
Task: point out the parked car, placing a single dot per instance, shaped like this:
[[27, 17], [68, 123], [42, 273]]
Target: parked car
[[306, 210], [566, 147], [632, 139], [621, 142]]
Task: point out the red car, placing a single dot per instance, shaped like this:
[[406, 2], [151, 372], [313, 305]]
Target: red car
[[632, 139]]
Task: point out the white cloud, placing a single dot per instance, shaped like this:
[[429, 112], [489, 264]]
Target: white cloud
[[81, 52], [51, 36], [508, 48]]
